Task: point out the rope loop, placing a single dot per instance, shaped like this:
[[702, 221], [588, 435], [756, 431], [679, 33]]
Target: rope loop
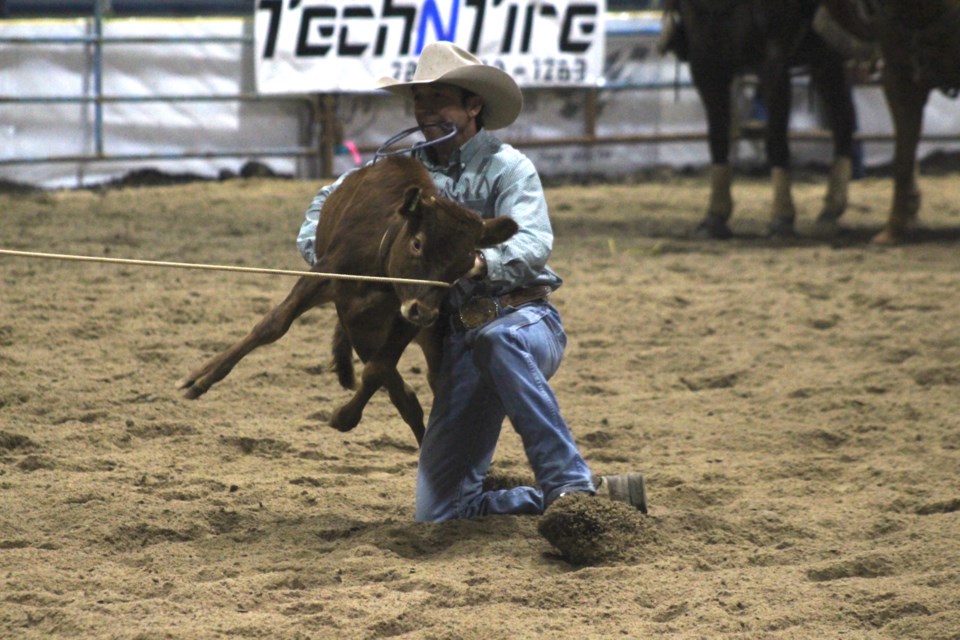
[[448, 127]]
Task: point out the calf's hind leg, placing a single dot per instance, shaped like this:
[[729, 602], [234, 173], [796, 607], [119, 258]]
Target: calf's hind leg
[[308, 292]]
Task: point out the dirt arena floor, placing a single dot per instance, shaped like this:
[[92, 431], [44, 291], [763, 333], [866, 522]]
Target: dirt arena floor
[[795, 407]]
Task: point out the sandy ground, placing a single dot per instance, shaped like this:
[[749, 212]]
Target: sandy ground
[[794, 406]]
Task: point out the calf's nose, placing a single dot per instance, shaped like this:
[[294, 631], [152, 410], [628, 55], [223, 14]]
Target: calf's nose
[[418, 313]]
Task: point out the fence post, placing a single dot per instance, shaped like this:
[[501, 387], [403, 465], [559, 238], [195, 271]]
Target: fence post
[[100, 8], [590, 115], [329, 133]]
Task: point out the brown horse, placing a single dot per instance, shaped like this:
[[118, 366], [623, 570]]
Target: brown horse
[[726, 38], [385, 220]]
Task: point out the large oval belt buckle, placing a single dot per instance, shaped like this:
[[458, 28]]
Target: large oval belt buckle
[[477, 312]]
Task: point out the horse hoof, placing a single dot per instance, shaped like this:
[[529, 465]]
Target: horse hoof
[[827, 228], [828, 223], [781, 229], [886, 238], [897, 231], [711, 228]]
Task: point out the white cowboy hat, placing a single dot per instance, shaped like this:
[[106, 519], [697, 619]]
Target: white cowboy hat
[[448, 63]]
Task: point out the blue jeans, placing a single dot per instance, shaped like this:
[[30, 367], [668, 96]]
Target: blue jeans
[[488, 373]]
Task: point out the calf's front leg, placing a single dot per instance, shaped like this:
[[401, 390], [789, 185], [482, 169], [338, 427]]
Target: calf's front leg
[[404, 398], [380, 369], [430, 340]]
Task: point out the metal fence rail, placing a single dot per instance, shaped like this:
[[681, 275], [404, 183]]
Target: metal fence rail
[[97, 41]]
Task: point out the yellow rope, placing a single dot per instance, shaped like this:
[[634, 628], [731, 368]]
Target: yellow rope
[[217, 267]]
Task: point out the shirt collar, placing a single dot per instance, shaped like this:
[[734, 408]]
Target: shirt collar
[[474, 146]]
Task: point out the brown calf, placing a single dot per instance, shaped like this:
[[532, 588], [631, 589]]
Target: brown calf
[[386, 219]]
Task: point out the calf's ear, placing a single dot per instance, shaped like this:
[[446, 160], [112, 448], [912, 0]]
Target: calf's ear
[[496, 230], [410, 208]]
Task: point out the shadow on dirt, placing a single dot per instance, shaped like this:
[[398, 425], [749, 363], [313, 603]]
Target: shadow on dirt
[[681, 231]]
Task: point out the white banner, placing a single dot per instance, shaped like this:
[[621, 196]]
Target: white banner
[[314, 46]]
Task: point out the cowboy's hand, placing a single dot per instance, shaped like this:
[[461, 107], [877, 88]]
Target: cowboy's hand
[[479, 269]]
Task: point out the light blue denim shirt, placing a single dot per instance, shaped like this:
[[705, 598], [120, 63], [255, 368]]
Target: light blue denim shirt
[[493, 179]]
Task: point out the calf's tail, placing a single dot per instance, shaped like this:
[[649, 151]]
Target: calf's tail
[[342, 352]]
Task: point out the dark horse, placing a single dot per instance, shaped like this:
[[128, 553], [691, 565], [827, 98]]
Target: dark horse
[[725, 38], [920, 45]]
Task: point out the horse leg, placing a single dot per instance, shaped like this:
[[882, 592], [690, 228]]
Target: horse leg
[[831, 80], [906, 101], [783, 212], [308, 292], [713, 85], [776, 84], [720, 206], [835, 200]]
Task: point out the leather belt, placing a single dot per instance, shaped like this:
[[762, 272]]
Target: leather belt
[[518, 297], [480, 310]]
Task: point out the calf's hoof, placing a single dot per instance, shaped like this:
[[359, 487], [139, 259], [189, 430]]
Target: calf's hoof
[[190, 389], [713, 228], [343, 419]]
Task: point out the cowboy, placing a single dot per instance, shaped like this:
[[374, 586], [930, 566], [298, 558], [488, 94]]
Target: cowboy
[[504, 339]]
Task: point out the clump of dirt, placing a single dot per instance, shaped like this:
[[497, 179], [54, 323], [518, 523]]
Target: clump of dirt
[[587, 530]]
